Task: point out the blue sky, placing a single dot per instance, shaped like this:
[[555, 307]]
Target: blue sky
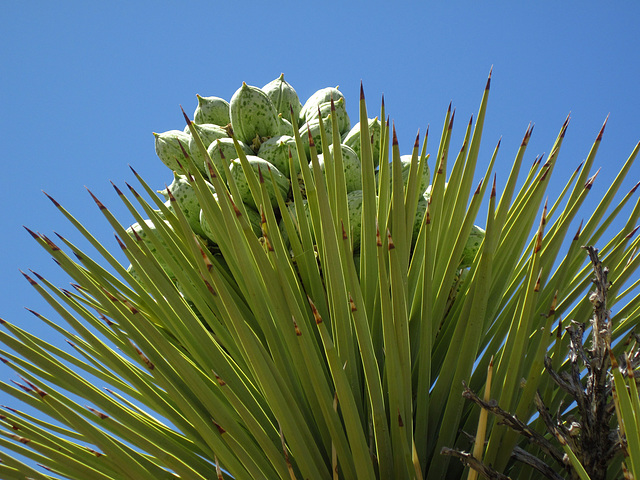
[[84, 85]]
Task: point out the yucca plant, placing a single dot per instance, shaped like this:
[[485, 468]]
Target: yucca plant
[[289, 312]]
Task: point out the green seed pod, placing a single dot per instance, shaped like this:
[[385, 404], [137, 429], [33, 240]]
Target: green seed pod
[[132, 271], [208, 133], [228, 149], [253, 217], [213, 110], [168, 148], [405, 160], [291, 210], [318, 98], [427, 192], [421, 209], [351, 165], [283, 96], [187, 200], [149, 243], [313, 126], [324, 110], [476, 237], [252, 114], [352, 139], [276, 151], [285, 126], [354, 202], [259, 165]]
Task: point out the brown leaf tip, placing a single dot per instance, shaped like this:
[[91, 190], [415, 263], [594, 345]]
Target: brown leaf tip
[[391, 244], [32, 233], [632, 233], [602, 129], [52, 199], [395, 137], [527, 135], [186, 117], [565, 125], [316, 314], [118, 191], [29, 279], [99, 414], [220, 429], [352, 304], [52, 245], [361, 91], [536, 288], [220, 381], [296, 328], [95, 199], [589, 183]]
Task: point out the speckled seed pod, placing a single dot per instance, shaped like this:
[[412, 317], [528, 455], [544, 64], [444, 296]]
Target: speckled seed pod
[[213, 110], [352, 139], [228, 149], [210, 233], [323, 95], [285, 126], [324, 109], [421, 209], [168, 148], [252, 114], [187, 200], [283, 96], [259, 165], [406, 168], [476, 237], [354, 202], [276, 151], [149, 243], [351, 165], [314, 127], [208, 133], [291, 210]]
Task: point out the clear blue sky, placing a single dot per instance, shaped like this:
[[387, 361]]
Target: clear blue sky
[[84, 85]]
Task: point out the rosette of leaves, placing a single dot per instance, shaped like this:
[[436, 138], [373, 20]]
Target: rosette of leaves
[[257, 360]]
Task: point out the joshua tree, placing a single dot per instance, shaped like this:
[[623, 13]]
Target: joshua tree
[[309, 303]]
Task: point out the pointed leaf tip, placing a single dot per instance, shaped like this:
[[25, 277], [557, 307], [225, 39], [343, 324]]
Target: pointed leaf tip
[[52, 199], [395, 137], [390, 241], [186, 117], [590, 182], [601, 132], [31, 232], [95, 199], [118, 191], [577, 235], [361, 91]]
